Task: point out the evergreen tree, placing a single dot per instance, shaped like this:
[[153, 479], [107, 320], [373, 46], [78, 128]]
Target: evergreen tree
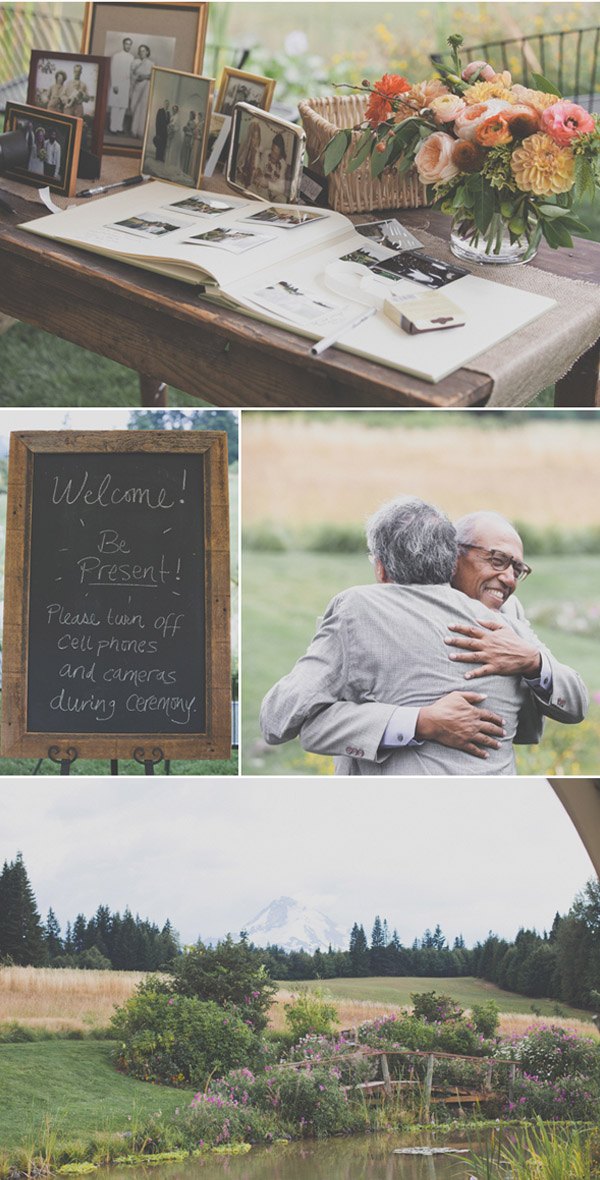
[[377, 957], [359, 951], [54, 942], [21, 931]]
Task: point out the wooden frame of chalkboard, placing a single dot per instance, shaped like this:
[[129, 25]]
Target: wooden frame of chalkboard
[[117, 598]]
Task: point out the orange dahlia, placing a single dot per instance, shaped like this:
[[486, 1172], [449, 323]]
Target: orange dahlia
[[542, 167], [381, 104]]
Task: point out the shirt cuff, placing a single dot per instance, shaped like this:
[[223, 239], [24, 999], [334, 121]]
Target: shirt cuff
[[401, 727], [543, 682]]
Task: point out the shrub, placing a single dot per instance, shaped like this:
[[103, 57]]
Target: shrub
[[486, 1018], [552, 1053], [229, 974], [335, 538], [179, 1040], [310, 1012], [312, 1100], [570, 1098], [434, 1008]]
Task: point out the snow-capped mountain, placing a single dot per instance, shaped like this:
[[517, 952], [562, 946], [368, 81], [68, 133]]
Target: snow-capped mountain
[[295, 927]]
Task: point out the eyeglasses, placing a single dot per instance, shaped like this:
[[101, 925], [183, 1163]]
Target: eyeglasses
[[501, 561]]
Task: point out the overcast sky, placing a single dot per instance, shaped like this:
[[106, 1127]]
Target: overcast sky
[[473, 855]]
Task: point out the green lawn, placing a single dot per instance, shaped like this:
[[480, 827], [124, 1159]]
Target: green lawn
[[38, 369], [284, 593], [465, 990], [75, 1086]]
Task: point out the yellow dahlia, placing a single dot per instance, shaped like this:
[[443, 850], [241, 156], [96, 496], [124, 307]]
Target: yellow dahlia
[[540, 166], [533, 98], [482, 91]]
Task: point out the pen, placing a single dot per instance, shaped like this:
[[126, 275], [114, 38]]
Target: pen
[[328, 341], [104, 188]]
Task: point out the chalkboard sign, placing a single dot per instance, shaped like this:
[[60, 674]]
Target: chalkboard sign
[[116, 630]]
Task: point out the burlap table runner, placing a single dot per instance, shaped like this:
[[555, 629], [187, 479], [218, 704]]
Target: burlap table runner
[[540, 353]]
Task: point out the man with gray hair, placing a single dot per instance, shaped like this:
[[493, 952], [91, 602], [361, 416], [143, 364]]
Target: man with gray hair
[[376, 687], [489, 564]]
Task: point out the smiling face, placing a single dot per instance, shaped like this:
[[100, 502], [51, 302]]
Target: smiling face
[[474, 573]]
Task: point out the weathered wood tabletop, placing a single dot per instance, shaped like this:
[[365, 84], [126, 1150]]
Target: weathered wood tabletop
[[163, 330]]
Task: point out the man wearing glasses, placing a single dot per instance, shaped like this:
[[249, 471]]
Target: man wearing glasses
[[369, 642]]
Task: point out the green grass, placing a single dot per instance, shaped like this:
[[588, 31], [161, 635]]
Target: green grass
[[76, 1087], [284, 593], [38, 369], [465, 990]]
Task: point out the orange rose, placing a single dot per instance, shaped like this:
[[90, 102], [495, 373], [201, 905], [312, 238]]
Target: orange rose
[[493, 132]]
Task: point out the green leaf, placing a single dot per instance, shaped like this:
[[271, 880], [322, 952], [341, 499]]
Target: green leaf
[[380, 160], [336, 150], [541, 83], [550, 211], [534, 242], [483, 203], [555, 234], [585, 183], [363, 148]]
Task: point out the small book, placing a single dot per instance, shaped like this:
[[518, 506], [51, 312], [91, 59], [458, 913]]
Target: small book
[[427, 313]]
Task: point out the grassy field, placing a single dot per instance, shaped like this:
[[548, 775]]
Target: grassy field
[[364, 999], [274, 636], [74, 1086], [43, 997]]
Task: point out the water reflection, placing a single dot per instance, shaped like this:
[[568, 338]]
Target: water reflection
[[364, 1157]]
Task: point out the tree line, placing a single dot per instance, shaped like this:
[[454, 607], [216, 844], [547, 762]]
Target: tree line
[[562, 964]]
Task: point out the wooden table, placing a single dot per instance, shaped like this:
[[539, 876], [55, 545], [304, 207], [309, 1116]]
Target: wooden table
[[160, 328]]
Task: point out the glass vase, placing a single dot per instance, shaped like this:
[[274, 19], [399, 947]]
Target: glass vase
[[496, 247]]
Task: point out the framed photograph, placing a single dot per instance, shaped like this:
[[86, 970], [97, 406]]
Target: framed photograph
[[72, 84], [136, 38], [238, 86], [265, 156], [179, 107], [52, 141]]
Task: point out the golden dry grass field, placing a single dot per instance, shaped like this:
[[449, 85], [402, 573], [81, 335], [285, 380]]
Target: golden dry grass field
[[300, 471], [45, 997]]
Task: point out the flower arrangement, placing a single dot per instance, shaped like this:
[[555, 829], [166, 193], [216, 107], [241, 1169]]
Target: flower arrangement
[[505, 161]]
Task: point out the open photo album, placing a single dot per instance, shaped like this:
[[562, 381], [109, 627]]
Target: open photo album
[[305, 269]]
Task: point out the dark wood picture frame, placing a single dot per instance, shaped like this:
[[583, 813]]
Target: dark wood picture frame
[[71, 128], [39, 56], [17, 739], [185, 22]]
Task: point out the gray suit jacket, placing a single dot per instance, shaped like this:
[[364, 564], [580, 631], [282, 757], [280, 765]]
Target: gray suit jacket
[[346, 725], [385, 642]]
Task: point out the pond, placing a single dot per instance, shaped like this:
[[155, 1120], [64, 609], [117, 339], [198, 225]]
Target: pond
[[359, 1157]]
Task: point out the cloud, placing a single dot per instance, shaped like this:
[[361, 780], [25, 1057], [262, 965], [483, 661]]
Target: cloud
[[473, 854]]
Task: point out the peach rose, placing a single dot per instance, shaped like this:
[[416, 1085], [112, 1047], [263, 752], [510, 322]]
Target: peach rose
[[467, 122], [447, 107], [434, 161], [493, 131]]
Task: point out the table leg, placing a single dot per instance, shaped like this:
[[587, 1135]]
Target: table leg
[[153, 393], [578, 389]]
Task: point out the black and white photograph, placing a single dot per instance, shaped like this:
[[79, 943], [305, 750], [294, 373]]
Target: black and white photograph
[[146, 225], [239, 86], [285, 220], [72, 84], [201, 207], [390, 233], [297, 305], [368, 255], [265, 157], [136, 38], [50, 149], [177, 127], [420, 268], [236, 241]]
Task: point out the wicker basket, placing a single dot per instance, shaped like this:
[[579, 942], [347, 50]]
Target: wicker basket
[[354, 192]]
